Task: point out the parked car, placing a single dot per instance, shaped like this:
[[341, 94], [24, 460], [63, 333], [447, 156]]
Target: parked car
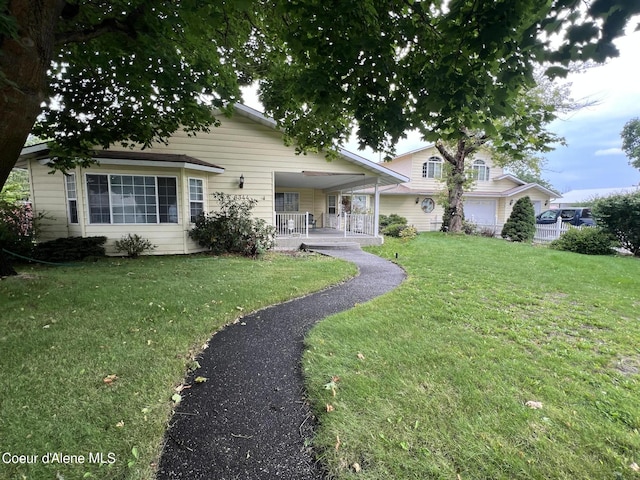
[[575, 216]]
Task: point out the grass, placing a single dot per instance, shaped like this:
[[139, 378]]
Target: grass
[[432, 380], [66, 330]]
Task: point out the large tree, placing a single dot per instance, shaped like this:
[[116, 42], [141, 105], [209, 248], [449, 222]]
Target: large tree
[[130, 71], [456, 71]]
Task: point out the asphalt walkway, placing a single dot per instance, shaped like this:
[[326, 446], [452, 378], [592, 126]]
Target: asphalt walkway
[[250, 419]]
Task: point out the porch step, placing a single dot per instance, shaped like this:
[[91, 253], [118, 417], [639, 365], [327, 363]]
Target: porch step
[[329, 246]]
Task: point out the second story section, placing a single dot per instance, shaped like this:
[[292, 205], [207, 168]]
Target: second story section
[[426, 169]]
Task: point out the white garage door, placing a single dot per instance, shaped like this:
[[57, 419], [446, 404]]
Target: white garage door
[[480, 211]]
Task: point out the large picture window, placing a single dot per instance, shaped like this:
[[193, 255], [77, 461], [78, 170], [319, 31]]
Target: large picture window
[[132, 199], [287, 202]]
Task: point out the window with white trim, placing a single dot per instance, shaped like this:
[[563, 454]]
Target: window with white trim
[[72, 197], [196, 198], [432, 168], [287, 202], [480, 171], [132, 199]]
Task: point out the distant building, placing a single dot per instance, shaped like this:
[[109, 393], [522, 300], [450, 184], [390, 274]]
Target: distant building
[[580, 197]]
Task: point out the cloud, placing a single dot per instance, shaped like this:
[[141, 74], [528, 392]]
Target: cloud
[[608, 151]]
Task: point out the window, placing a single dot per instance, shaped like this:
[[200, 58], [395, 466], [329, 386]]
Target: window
[[132, 199], [196, 198], [72, 197], [287, 202], [480, 171], [432, 168]]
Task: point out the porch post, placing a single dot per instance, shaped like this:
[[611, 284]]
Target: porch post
[[376, 210]]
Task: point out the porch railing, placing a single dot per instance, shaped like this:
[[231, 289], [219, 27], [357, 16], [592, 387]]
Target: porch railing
[[358, 224], [292, 224]]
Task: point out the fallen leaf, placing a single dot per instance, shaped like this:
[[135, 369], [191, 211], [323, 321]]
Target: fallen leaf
[[356, 467], [534, 405], [201, 379], [120, 424], [360, 356], [634, 466], [176, 397], [337, 442], [109, 379], [330, 407]]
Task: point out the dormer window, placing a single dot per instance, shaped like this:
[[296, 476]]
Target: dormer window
[[432, 168], [480, 171]]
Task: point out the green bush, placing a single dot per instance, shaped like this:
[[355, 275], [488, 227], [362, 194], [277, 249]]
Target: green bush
[[70, 249], [521, 225], [232, 229], [585, 240], [134, 245], [619, 215], [409, 232], [394, 230], [386, 220]]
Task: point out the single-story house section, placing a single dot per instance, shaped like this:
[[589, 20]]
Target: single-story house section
[[157, 192], [585, 196], [488, 203]]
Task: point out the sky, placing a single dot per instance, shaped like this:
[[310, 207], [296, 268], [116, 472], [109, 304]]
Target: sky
[[593, 157]]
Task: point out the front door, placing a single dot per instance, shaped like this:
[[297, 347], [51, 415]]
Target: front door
[[333, 220]]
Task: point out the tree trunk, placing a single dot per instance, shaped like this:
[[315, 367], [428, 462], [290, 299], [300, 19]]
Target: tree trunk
[[23, 63], [456, 179]]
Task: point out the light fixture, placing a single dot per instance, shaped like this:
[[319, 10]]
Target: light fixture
[[546, 202], [241, 184], [417, 200], [511, 202]]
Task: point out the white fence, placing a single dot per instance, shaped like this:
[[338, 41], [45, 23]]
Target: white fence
[[299, 224], [549, 232], [358, 224]]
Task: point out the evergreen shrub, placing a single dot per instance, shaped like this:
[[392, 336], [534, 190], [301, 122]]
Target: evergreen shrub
[[521, 225]]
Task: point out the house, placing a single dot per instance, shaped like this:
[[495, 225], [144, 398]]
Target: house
[[158, 192], [586, 196], [488, 203]]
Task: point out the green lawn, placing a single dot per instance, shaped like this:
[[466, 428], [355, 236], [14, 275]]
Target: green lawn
[[432, 380], [65, 330]]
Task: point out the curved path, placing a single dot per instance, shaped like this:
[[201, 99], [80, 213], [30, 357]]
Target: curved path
[[250, 419]]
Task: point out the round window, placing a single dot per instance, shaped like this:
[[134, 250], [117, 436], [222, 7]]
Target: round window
[[428, 205]]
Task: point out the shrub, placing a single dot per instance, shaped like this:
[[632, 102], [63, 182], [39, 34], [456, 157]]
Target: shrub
[[394, 229], [70, 249], [231, 229], [134, 245], [17, 228], [585, 240], [619, 215], [409, 232], [521, 225], [386, 220], [469, 228]]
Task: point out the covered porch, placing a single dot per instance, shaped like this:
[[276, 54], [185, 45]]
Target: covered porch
[[296, 230]]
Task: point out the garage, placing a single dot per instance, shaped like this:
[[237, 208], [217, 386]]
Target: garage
[[480, 211]]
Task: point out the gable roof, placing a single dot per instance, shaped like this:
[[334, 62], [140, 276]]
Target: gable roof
[[386, 175]]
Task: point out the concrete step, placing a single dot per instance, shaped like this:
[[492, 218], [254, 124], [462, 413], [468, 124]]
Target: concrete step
[[329, 246]]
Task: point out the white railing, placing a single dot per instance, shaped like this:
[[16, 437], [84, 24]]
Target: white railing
[[293, 224], [359, 224], [550, 232]]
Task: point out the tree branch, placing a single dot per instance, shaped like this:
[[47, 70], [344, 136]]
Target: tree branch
[[123, 25]]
